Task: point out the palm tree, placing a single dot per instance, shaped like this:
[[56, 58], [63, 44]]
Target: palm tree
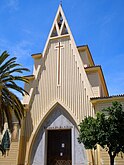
[[9, 102]]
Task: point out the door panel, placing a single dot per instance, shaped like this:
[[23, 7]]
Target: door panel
[[59, 147]]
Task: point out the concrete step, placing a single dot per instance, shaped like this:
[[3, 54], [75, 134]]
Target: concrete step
[[11, 157]]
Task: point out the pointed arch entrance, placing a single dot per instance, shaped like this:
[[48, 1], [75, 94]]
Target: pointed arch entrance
[[56, 141]]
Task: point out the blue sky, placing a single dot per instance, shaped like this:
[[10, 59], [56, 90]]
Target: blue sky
[[25, 25]]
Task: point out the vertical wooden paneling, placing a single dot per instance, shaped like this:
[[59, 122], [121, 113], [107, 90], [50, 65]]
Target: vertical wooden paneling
[[72, 90], [70, 74], [80, 98], [71, 77]]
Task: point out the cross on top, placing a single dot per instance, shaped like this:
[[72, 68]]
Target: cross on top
[[61, 2]]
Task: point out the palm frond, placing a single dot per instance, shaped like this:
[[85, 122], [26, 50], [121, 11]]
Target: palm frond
[[3, 57], [20, 78], [5, 68], [17, 88], [9, 102], [18, 70]]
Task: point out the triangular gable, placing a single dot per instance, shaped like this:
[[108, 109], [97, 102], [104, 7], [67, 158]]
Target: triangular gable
[[60, 75], [62, 30]]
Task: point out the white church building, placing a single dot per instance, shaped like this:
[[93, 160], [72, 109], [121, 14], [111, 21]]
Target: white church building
[[65, 86]]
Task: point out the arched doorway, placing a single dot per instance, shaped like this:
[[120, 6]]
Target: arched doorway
[[56, 142]]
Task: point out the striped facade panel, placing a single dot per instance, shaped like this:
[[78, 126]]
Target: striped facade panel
[[71, 91]]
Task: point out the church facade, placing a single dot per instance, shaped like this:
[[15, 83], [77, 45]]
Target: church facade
[[66, 86]]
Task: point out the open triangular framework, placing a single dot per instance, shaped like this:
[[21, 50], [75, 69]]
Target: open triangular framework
[[59, 26]]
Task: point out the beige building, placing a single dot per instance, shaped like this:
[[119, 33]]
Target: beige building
[[66, 86]]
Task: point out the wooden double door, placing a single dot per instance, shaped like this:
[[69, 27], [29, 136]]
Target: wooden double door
[[59, 147]]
